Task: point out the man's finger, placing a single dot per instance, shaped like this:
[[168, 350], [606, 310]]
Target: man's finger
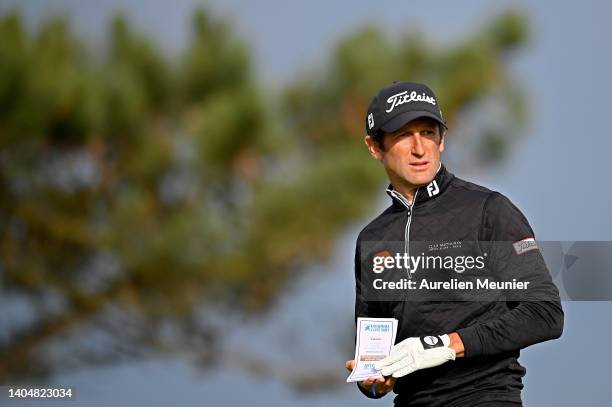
[[388, 385], [384, 363], [404, 371], [400, 364], [397, 353]]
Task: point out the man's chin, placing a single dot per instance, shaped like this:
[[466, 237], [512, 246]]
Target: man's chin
[[420, 179]]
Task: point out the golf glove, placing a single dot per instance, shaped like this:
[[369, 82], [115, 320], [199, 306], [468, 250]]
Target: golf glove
[[416, 353]]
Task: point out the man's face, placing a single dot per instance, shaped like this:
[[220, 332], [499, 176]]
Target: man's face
[[411, 155]]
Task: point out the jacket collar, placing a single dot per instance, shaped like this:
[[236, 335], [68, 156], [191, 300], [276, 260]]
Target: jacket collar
[[434, 189]]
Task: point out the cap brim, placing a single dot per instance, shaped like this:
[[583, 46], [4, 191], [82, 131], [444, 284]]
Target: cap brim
[[401, 119]]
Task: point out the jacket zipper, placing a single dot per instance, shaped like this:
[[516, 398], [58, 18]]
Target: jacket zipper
[[408, 206]]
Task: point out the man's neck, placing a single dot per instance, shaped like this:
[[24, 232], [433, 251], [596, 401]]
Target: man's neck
[[400, 185], [406, 191]]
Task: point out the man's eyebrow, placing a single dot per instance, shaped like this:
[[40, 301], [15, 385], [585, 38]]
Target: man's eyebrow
[[430, 127]]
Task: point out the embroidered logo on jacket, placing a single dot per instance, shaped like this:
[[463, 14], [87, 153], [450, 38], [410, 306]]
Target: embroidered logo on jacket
[[432, 188], [524, 245]]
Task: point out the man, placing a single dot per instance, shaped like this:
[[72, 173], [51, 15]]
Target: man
[[448, 351]]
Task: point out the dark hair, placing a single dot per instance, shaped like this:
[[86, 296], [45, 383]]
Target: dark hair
[[378, 138]]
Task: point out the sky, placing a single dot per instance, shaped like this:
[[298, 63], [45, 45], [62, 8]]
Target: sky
[[557, 175]]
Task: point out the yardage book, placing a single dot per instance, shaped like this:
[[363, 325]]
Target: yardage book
[[375, 338]]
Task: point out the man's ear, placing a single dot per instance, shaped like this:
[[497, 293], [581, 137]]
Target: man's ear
[[373, 147], [442, 138]]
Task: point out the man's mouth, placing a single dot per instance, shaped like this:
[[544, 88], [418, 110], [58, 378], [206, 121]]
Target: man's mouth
[[419, 165]]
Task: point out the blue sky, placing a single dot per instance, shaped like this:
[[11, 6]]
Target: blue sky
[[557, 174]]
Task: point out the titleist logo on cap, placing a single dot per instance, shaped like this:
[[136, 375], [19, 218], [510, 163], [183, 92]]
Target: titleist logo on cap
[[405, 97], [399, 103]]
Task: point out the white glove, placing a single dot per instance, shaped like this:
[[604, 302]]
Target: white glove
[[416, 353]]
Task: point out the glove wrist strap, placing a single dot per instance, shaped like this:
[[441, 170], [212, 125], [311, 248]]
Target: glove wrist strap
[[434, 341]]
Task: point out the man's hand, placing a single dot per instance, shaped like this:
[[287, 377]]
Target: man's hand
[[383, 384], [416, 353]]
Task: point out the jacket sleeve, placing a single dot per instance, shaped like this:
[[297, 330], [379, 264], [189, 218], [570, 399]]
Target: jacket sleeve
[[534, 315], [364, 307]]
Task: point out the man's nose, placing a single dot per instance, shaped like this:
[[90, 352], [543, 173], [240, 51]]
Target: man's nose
[[417, 145]]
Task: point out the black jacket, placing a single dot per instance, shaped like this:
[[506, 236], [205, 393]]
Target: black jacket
[[450, 209]]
